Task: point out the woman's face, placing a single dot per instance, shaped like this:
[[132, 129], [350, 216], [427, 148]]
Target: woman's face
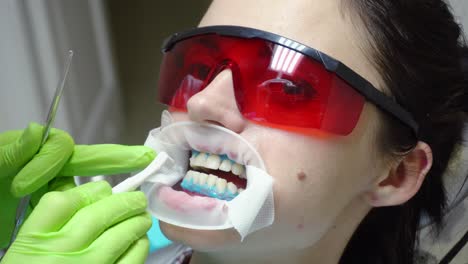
[[319, 181]]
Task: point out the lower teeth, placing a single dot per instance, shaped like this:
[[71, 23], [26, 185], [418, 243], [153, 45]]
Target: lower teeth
[[190, 186]]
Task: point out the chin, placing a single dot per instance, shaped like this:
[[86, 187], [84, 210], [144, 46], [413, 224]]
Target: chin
[[201, 240]]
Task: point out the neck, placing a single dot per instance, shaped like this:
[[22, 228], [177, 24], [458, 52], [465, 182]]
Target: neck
[[327, 250]]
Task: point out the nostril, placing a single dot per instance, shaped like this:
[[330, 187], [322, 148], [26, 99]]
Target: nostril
[[214, 122]]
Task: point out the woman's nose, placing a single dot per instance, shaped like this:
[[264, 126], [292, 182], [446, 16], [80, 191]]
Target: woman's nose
[[217, 104]]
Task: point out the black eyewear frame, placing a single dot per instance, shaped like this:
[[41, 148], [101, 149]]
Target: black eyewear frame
[[356, 81]]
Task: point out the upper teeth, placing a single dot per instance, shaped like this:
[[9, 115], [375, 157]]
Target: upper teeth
[[216, 162], [237, 169], [213, 162], [226, 165]]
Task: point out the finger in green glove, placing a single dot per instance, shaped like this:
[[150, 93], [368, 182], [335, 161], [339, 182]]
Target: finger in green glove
[[45, 165], [26, 167], [19, 167], [137, 253], [107, 159], [18, 147], [86, 224]]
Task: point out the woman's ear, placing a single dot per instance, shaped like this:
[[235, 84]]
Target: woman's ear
[[404, 178]]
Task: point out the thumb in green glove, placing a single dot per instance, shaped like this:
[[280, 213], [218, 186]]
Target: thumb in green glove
[[34, 169], [26, 167], [86, 224]]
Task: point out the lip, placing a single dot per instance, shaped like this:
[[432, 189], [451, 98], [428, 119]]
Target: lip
[[204, 212], [184, 202]]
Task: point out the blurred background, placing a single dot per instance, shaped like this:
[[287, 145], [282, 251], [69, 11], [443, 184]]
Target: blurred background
[[138, 31], [110, 95]]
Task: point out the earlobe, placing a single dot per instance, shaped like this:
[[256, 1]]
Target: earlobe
[[403, 179]]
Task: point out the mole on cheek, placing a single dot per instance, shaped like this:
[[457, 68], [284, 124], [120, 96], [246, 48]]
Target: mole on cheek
[[300, 225], [301, 176]]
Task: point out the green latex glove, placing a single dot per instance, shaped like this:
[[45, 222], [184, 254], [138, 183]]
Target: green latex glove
[[26, 167], [86, 224]]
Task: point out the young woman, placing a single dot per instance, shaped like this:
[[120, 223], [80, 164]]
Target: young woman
[[356, 119], [346, 190]]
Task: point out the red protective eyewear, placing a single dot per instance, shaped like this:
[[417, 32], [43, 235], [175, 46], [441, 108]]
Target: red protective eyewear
[[278, 82]]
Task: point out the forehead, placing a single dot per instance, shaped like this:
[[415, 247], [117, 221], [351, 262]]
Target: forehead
[[319, 24]]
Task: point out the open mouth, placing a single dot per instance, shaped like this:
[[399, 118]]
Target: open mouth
[[212, 175], [214, 193]]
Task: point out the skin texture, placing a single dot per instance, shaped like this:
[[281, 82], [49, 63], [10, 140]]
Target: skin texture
[[324, 186]]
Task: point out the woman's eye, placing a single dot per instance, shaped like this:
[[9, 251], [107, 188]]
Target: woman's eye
[[199, 70], [290, 88]]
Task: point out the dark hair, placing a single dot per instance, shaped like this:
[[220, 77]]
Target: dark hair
[[418, 49]]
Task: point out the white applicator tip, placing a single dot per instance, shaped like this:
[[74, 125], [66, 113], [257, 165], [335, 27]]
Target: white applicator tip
[[130, 184]]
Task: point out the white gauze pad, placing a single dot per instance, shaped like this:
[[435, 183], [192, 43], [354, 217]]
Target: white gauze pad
[[249, 211]]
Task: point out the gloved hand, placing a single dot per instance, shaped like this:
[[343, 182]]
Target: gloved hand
[[26, 167], [86, 224]]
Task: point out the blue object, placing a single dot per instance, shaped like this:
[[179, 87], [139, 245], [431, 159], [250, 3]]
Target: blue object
[[156, 237], [208, 191]]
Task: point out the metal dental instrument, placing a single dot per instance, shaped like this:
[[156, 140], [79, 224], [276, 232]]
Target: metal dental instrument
[[24, 202]]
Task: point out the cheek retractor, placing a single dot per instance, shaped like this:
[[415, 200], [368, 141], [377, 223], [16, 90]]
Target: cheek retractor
[[247, 211]]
